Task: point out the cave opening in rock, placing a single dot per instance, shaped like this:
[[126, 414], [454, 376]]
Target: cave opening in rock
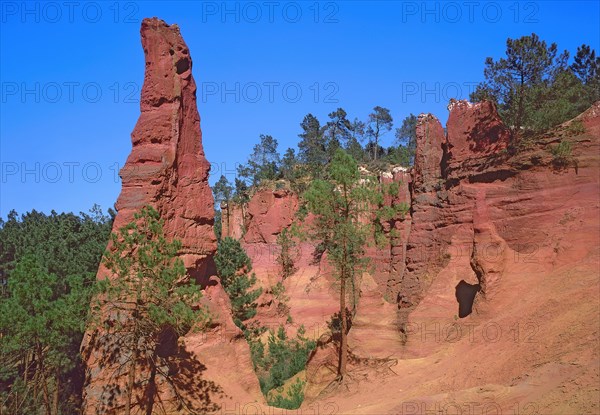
[[465, 295]]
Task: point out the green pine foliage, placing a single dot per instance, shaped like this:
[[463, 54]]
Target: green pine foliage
[[264, 163], [145, 304], [285, 257], [48, 269], [234, 269], [281, 359], [536, 88], [294, 398], [338, 205]]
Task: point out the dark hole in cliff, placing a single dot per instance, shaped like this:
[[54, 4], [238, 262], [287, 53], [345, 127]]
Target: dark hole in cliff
[[183, 65], [171, 52], [465, 295], [492, 176], [202, 275]]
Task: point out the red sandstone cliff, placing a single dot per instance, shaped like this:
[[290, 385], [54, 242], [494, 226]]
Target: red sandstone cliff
[[492, 283], [168, 170], [499, 300], [487, 293]]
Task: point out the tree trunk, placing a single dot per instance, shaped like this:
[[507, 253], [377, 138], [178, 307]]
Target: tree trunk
[[343, 339], [343, 275], [44, 381], [375, 148], [520, 110], [130, 383], [228, 226], [56, 393], [26, 371]]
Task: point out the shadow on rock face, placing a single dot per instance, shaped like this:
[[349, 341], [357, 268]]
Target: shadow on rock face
[[465, 295], [168, 377]]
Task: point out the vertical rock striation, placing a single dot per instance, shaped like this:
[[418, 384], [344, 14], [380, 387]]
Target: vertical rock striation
[[427, 201], [167, 169]]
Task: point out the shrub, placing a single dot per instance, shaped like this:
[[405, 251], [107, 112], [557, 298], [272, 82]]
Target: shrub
[[576, 127], [282, 359], [294, 398], [278, 291], [562, 154], [234, 267], [285, 258]]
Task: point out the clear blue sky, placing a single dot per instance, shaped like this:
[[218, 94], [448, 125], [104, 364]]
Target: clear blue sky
[[71, 74]]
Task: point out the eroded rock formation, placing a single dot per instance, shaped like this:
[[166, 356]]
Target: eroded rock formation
[[497, 241], [492, 238], [499, 300], [167, 169]]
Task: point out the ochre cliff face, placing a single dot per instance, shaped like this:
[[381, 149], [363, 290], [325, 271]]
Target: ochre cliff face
[[263, 218], [427, 199], [490, 237], [495, 241], [499, 299], [311, 289], [269, 212], [167, 169]]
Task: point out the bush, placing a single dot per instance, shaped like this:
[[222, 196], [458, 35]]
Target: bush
[[295, 396], [283, 358], [562, 154], [285, 258], [576, 127], [234, 267], [278, 291]]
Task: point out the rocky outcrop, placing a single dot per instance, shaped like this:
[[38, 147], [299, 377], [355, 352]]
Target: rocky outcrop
[[428, 198], [428, 154], [268, 213], [499, 298], [261, 219], [474, 149], [167, 169], [397, 230], [233, 220]]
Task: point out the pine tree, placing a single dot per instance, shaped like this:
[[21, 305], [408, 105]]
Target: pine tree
[[338, 205], [380, 122], [38, 322], [313, 146], [406, 137], [234, 268], [223, 193], [48, 267], [263, 163], [146, 302], [338, 131], [516, 81]]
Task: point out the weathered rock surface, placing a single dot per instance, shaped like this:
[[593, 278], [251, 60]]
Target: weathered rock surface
[[233, 220], [167, 169], [428, 201], [477, 140], [516, 240], [269, 212], [485, 300]]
